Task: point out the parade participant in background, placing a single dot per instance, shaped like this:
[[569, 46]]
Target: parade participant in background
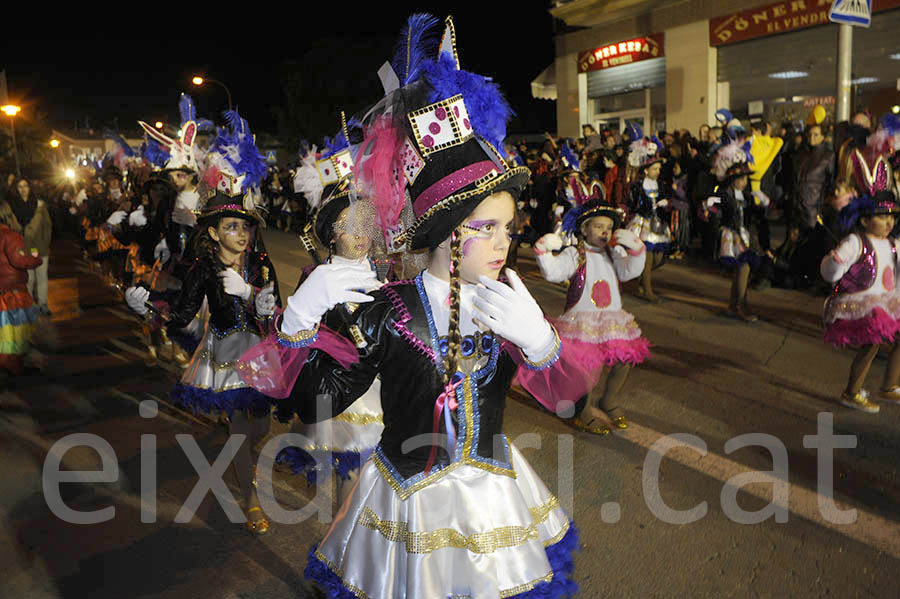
[[864, 308], [17, 310], [594, 323], [733, 170], [185, 160], [648, 207], [344, 223], [238, 281], [447, 346]]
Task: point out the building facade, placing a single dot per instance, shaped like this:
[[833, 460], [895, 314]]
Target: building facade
[[671, 64]]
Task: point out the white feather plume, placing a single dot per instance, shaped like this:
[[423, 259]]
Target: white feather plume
[[727, 156], [307, 180]]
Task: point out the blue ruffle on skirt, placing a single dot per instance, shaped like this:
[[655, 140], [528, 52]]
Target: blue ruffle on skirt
[[559, 555], [748, 257], [302, 462], [211, 402], [658, 247]]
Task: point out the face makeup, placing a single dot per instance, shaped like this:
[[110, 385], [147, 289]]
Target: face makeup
[[233, 236], [486, 237], [597, 231]]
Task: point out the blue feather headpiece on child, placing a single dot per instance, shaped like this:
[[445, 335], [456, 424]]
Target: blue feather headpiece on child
[[236, 166], [569, 159]]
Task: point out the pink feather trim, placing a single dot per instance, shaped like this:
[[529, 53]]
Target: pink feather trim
[[380, 171], [876, 328]]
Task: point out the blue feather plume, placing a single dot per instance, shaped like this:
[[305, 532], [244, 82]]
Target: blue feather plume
[[186, 108], [418, 43], [570, 219], [488, 109], [635, 131], [189, 113], [850, 214], [891, 123], [154, 153], [567, 153], [249, 161], [109, 134], [339, 142]]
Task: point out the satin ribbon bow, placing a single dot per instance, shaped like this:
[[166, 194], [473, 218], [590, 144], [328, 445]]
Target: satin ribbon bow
[[445, 403]]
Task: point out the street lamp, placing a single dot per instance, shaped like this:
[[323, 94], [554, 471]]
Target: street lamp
[[198, 81], [54, 143], [11, 111], [158, 124]]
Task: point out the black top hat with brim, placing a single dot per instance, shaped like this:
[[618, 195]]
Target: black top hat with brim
[[449, 171], [598, 207], [736, 171], [222, 205]]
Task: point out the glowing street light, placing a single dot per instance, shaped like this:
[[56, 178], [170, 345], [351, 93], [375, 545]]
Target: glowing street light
[[158, 124], [11, 111], [54, 143], [198, 81], [70, 174]]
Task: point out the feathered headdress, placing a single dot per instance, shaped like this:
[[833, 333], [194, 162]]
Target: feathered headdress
[[154, 153], [882, 202], [189, 114], [643, 152], [733, 160], [417, 44], [307, 180], [569, 159], [236, 167]]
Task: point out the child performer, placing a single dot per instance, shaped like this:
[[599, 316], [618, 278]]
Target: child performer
[[594, 323], [451, 518], [733, 171], [345, 225], [864, 308], [647, 203], [239, 284]]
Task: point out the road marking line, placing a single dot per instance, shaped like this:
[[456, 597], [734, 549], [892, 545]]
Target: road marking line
[[869, 529]]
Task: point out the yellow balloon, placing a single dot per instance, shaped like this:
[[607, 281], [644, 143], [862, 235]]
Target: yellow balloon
[[817, 116]]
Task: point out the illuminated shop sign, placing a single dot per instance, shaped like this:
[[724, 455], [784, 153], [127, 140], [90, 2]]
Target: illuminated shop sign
[[621, 53], [776, 18]]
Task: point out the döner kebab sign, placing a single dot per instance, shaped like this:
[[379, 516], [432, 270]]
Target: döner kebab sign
[[776, 18], [621, 53]]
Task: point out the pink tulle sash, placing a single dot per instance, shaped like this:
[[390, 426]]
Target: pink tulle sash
[[567, 380], [272, 369], [874, 329]]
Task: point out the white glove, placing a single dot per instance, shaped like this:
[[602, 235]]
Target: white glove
[[662, 203], [620, 251], [628, 239], [845, 253], [235, 284], [549, 242], [511, 312], [161, 252], [762, 198], [73, 210], [137, 218], [136, 298], [265, 300], [712, 201], [558, 210], [327, 286], [116, 218]]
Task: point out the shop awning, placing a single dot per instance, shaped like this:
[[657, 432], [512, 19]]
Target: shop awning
[[544, 85]]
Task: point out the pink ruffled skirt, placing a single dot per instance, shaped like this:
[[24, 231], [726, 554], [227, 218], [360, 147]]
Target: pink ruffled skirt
[[856, 320], [602, 338]]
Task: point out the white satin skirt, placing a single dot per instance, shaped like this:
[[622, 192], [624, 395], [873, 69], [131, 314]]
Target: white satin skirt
[[471, 533], [358, 428]]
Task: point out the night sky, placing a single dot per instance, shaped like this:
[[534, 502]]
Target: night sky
[[332, 58]]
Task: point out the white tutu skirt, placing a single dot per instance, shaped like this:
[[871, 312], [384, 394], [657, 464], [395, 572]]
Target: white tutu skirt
[[210, 382], [343, 443], [471, 533]]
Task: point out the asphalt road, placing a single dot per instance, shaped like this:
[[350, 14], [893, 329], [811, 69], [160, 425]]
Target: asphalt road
[[709, 377]]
